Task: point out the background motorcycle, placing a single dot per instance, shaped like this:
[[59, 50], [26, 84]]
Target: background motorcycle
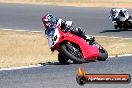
[[123, 22], [75, 48]]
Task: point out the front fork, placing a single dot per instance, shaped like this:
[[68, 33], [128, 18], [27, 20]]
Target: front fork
[[115, 24]]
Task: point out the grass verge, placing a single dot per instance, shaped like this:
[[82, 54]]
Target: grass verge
[[27, 48]]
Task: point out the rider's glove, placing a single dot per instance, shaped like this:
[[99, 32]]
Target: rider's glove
[[91, 38], [52, 49]]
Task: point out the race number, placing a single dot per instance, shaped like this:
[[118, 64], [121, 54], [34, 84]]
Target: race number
[[53, 37]]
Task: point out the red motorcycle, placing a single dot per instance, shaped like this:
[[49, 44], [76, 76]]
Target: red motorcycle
[[73, 47]]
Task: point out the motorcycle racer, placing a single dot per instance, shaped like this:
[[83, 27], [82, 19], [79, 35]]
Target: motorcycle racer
[[71, 44], [117, 13], [49, 22]]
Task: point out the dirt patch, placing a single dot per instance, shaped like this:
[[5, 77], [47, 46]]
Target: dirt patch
[[78, 3], [116, 46], [26, 48], [23, 48]]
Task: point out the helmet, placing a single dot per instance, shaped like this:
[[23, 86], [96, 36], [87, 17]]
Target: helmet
[[113, 12], [47, 20], [121, 13], [48, 17]]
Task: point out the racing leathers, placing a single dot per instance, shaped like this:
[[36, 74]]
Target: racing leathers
[[66, 26]]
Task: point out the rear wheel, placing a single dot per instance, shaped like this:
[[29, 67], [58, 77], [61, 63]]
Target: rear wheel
[[73, 53]]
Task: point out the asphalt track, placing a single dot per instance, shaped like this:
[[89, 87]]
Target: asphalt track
[[54, 75], [94, 21]]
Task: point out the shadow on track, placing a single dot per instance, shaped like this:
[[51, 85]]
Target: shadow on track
[[57, 63], [105, 31]]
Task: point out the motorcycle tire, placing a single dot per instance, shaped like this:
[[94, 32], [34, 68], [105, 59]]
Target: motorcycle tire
[[103, 54], [62, 58], [115, 26], [65, 49]]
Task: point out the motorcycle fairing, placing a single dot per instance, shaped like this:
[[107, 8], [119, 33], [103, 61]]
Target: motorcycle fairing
[[88, 51]]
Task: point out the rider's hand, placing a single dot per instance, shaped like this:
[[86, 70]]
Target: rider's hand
[[52, 49], [90, 38]]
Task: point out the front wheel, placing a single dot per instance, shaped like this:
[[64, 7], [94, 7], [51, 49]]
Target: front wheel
[[115, 26], [62, 58], [72, 52], [103, 54]]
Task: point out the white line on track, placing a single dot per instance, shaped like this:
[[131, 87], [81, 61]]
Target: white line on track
[[123, 55], [21, 67], [113, 37], [42, 31], [39, 65], [20, 30]]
